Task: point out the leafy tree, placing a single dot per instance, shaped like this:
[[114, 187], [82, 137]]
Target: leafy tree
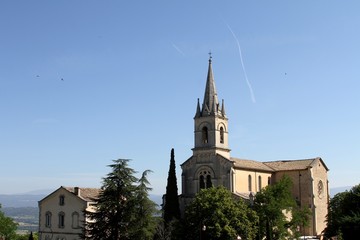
[[171, 208], [344, 214], [145, 225], [7, 226], [216, 213], [123, 210], [271, 204]]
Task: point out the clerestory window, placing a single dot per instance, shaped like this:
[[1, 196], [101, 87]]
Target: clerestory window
[[259, 183], [249, 183]]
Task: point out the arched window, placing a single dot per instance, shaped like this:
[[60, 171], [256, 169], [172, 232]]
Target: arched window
[[269, 180], [48, 219], [205, 179], [75, 220], [61, 220], [205, 135], [202, 182], [259, 183], [249, 183], [208, 181], [221, 135]]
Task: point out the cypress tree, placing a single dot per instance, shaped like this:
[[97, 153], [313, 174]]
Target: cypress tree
[[171, 208], [31, 236]]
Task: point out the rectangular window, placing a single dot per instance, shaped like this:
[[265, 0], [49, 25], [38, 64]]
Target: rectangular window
[[61, 220], [61, 200], [48, 220]]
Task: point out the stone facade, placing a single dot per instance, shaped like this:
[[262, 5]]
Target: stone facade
[[212, 165]]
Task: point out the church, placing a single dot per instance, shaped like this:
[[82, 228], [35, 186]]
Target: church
[[212, 165]]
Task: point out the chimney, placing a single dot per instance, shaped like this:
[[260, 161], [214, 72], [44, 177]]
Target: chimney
[[77, 191]]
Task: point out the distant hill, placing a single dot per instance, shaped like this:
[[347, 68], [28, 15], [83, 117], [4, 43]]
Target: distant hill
[[20, 200], [26, 217], [31, 199]]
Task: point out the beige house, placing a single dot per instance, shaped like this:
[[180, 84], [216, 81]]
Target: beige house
[[212, 165], [61, 213]]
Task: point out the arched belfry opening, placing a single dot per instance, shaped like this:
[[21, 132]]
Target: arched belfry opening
[[205, 135], [221, 135]]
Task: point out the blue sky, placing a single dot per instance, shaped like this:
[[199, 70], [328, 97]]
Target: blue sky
[[86, 82]]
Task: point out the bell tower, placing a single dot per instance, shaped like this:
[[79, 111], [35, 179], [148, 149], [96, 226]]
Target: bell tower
[[211, 123]]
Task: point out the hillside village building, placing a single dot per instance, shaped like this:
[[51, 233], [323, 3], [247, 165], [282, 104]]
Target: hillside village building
[[61, 213], [212, 165]]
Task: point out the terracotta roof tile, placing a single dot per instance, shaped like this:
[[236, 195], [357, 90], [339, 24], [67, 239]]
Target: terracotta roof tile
[[284, 165], [251, 164], [88, 194]]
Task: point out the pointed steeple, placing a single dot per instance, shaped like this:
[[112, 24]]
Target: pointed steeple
[[198, 111], [211, 123], [211, 102], [223, 108]]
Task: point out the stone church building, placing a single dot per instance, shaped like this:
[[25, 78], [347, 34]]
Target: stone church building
[[212, 165]]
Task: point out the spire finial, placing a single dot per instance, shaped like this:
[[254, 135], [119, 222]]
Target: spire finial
[[210, 57]]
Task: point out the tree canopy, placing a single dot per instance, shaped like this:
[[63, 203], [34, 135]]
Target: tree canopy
[[123, 209], [274, 204], [216, 213], [7, 226], [344, 214]]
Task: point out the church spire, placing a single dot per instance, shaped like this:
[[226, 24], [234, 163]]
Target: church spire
[[211, 123], [210, 104]]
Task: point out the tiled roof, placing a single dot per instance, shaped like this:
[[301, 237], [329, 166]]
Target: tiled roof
[[251, 165], [88, 194], [284, 165]]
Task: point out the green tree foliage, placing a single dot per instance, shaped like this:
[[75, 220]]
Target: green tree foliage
[[344, 214], [145, 224], [7, 226], [123, 210], [169, 227], [31, 236], [216, 213], [272, 204], [171, 208]]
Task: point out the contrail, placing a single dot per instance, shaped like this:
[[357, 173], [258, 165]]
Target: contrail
[[242, 64], [178, 49]]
